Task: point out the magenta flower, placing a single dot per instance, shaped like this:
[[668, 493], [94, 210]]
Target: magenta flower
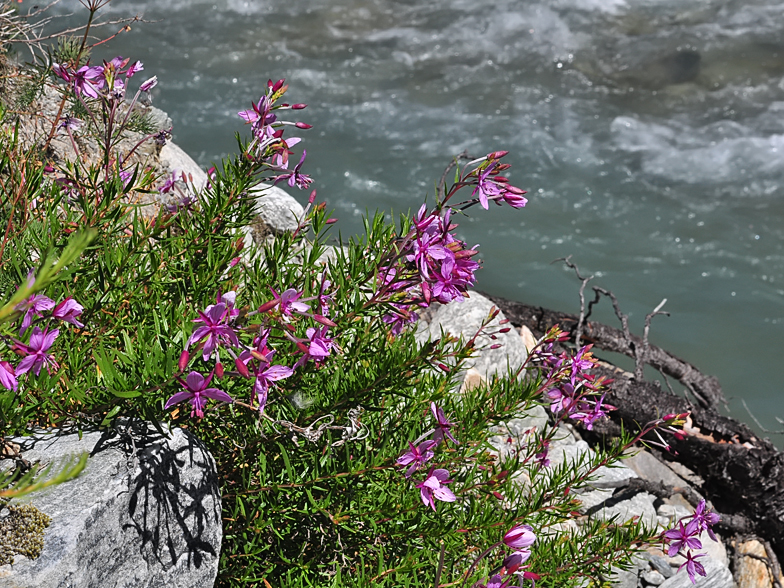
[[416, 456], [486, 187], [519, 537], [67, 311], [496, 581], [33, 307], [35, 353], [588, 417], [681, 536], [434, 487], [513, 561], [706, 519], [215, 329], [693, 567], [318, 346], [443, 426], [136, 67], [7, 376], [88, 80], [197, 392], [149, 84], [265, 377], [295, 178], [287, 302]]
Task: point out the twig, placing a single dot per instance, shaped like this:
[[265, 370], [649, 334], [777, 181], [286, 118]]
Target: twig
[[641, 355], [759, 424], [440, 567], [583, 283], [773, 561]]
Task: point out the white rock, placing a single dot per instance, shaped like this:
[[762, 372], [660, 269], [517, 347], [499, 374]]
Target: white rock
[[145, 514], [464, 319]]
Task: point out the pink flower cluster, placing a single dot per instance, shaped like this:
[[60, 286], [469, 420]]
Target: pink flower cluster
[[519, 538], [35, 354], [430, 263], [217, 336], [686, 538], [572, 391], [268, 146], [433, 487], [109, 80]]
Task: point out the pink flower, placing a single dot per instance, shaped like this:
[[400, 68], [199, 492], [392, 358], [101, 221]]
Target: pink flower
[[197, 392], [33, 307], [434, 488], [67, 311], [35, 353], [7, 376], [519, 537], [416, 456], [287, 302], [318, 346], [215, 329], [681, 537], [513, 561], [693, 567], [443, 426]]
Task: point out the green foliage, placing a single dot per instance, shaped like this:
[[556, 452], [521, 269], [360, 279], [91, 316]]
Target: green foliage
[[311, 492]]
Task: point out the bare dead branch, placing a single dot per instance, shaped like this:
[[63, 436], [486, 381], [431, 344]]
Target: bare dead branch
[[583, 283], [641, 353]]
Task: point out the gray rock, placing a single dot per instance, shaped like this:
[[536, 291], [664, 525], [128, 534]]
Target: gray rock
[[653, 578], [660, 564], [276, 212], [145, 513], [464, 319], [640, 505], [173, 159], [718, 576], [159, 119], [629, 578], [649, 468]]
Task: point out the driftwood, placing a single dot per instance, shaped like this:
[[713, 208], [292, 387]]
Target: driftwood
[[743, 474]]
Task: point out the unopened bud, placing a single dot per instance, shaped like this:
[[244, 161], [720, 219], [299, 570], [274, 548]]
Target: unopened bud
[[241, 368], [298, 106], [312, 198], [323, 320], [497, 154], [302, 125], [330, 221], [278, 85], [184, 358], [267, 306], [219, 370], [149, 84], [496, 346]]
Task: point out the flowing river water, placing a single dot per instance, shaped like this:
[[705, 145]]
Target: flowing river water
[[649, 133]]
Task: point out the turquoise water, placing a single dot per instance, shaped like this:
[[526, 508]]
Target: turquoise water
[[650, 135]]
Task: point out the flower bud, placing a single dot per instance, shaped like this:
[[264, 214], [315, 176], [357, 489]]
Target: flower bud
[[298, 106], [302, 125], [267, 306], [497, 154], [312, 197], [184, 358], [241, 368], [149, 84], [323, 320], [219, 370]]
